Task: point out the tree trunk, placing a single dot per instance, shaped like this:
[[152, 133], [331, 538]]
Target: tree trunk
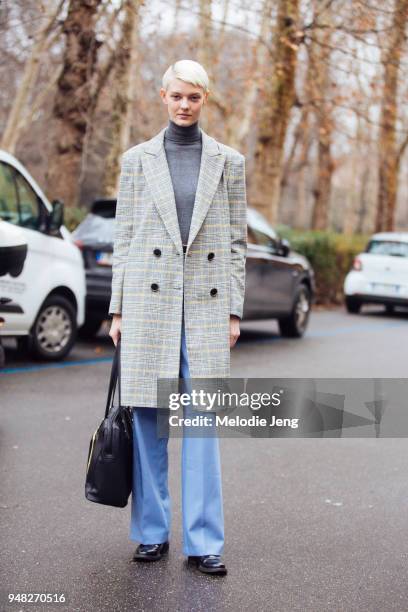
[[322, 93], [126, 66], [389, 158], [275, 113], [322, 190], [73, 99]]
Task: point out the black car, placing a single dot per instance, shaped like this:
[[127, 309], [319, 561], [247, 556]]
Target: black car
[[279, 282], [94, 236]]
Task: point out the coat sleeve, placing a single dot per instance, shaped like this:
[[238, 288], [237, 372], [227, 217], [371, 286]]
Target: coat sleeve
[[122, 233], [236, 187]]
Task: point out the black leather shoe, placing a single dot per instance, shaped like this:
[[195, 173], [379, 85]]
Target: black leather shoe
[[150, 552], [209, 564]]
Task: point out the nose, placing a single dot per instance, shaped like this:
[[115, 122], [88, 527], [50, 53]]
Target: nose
[[184, 104]]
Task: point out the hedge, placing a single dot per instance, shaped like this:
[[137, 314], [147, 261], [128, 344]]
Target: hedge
[[331, 255]]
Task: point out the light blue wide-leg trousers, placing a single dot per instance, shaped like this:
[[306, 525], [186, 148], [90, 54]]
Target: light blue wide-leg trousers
[[202, 504]]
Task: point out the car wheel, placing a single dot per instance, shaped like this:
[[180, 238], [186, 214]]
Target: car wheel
[[352, 305], [54, 329], [389, 308], [294, 326], [90, 328]]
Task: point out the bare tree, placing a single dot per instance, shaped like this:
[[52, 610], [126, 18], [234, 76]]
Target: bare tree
[[127, 64], [73, 98], [306, 148], [321, 88], [19, 116], [389, 152], [240, 127], [275, 111]]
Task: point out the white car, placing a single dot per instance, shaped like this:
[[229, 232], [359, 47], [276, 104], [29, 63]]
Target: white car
[[42, 298], [380, 274]]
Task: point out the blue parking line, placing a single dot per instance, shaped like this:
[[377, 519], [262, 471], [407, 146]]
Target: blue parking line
[[64, 364]]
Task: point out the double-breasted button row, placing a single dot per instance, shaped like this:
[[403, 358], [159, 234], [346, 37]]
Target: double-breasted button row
[[157, 252], [155, 287]]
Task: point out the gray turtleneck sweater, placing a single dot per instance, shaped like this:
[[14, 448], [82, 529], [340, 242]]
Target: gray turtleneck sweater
[[183, 146]]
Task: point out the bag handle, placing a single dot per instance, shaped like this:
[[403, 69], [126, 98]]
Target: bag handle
[[114, 380]]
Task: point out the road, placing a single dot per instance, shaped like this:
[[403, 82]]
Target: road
[[311, 525]]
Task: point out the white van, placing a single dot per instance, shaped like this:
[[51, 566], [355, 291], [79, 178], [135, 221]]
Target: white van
[[42, 302]]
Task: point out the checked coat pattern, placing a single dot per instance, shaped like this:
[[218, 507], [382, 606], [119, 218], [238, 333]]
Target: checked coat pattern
[[152, 275]]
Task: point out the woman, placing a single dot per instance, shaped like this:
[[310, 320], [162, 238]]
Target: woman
[[177, 299]]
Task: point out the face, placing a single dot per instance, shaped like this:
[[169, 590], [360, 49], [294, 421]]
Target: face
[[184, 101]]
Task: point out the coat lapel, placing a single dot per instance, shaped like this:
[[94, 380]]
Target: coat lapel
[[157, 174]]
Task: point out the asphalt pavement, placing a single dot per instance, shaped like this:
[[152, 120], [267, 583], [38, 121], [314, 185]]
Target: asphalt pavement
[[310, 524]]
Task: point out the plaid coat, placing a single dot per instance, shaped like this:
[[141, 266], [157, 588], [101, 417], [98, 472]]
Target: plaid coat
[[149, 277]]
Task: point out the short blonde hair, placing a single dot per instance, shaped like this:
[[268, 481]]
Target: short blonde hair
[[188, 71]]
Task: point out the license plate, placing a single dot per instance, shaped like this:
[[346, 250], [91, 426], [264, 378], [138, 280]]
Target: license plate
[[385, 288], [103, 259]]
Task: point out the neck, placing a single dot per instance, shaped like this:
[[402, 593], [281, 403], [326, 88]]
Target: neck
[[183, 134]]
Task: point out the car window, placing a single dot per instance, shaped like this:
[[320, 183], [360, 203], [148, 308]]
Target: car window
[[29, 204], [255, 236], [258, 222], [388, 247], [260, 238], [8, 195], [260, 232]]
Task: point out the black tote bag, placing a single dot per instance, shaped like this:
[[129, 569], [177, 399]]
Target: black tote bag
[[110, 456]]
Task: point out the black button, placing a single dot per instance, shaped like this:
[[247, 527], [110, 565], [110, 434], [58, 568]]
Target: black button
[[154, 287], [210, 256], [213, 291], [157, 252]]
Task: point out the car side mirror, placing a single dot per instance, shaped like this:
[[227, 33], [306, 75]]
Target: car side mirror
[[284, 247], [56, 217]]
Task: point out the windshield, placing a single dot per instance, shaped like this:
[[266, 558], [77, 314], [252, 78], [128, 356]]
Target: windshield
[[258, 222], [388, 247]]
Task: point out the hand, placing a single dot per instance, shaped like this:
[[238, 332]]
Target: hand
[[234, 329], [116, 328]]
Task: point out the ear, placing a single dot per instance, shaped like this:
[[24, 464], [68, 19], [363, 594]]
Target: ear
[[163, 95]]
